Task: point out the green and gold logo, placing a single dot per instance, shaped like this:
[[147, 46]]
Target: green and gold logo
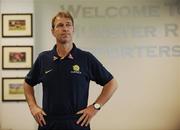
[[76, 69]]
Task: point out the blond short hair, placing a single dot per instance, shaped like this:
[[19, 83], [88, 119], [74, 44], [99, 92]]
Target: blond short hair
[[62, 14]]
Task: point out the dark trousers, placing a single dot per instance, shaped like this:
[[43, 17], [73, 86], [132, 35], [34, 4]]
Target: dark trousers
[[63, 123]]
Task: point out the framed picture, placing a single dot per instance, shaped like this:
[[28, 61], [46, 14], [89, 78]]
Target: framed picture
[[17, 57], [17, 25], [12, 89]]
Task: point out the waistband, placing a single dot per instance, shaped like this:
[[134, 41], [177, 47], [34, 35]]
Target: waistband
[[62, 117]]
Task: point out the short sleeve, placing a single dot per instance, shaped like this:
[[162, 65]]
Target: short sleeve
[[97, 72], [33, 77]]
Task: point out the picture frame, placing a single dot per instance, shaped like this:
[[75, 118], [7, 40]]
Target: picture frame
[[17, 25], [12, 89], [17, 57]]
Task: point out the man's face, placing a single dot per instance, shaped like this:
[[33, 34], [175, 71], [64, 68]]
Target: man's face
[[63, 30]]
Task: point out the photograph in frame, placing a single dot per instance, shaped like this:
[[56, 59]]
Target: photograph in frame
[[17, 25], [12, 89], [17, 57]]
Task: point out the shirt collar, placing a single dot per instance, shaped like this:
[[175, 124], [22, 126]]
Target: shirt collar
[[69, 56]]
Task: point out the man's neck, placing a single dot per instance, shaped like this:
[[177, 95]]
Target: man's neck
[[63, 49]]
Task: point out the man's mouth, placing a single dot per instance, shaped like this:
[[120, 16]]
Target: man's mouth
[[65, 35]]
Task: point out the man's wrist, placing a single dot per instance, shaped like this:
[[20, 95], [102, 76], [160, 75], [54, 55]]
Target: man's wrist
[[31, 106]]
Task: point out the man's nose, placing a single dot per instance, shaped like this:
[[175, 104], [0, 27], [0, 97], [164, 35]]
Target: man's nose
[[65, 28]]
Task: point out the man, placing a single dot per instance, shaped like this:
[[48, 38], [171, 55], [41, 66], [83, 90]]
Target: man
[[65, 73]]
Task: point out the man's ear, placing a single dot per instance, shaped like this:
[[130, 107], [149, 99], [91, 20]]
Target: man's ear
[[52, 31], [73, 29]]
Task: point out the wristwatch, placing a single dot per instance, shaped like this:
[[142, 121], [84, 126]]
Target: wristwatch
[[97, 106]]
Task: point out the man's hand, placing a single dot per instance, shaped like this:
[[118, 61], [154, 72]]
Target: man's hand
[[87, 114], [38, 114]]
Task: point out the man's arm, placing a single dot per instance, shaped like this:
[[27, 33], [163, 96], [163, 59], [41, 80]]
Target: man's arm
[[107, 92], [36, 111], [105, 95]]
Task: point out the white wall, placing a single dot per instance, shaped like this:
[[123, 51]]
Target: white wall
[[15, 115], [132, 40]]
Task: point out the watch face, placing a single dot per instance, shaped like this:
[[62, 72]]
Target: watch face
[[97, 106]]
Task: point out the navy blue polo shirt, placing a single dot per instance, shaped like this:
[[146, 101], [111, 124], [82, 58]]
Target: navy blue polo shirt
[[66, 81]]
